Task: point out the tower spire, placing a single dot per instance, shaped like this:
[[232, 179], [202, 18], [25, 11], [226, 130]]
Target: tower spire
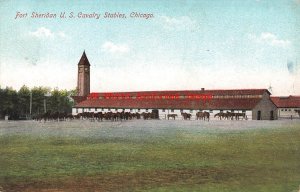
[[84, 60], [83, 79]]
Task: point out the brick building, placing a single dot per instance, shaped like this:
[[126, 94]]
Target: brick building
[[288, 107], [256, 103]]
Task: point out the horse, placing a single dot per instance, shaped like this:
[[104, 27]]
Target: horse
[[202, 115], [238, 115], [230, 115], [221, 115], [186, 116], [172, 115], [206, 115]]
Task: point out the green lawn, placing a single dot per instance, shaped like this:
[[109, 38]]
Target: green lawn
[[256, 160]]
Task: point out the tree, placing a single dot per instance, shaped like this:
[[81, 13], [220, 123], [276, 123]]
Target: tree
[[38, 96], [16, 104], [24, 100], [9, 102]]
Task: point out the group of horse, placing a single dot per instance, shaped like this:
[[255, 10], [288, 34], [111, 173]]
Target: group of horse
[[187, 116], [55, 116], [92, 116], [231, 116]]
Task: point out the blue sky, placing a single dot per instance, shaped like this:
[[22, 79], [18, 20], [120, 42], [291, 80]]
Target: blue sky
[[218, 44]]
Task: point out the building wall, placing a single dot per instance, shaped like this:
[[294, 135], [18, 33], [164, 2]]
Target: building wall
[[83, 81], [265, 106], [288, 112], [163, 113]]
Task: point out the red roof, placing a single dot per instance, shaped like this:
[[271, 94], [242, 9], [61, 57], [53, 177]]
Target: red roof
[[287, 102], [179, 103], [191, 92], [241, 104]]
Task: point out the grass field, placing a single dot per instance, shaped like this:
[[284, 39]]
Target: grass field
[[150, 156]]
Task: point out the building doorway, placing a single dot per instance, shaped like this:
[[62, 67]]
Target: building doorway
[[155, 113], [271, 115], [258, 115]]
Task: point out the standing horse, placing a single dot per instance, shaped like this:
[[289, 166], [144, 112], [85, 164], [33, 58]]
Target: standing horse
[[172, 116], [202, 115], [186, 116], [206, 115], [222, 115], [238, 115]]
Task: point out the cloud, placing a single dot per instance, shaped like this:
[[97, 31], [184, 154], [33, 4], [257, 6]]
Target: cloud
[[45, 33], [270, 39], [62, 34], [42, 32], [111, 47], [178, 23]]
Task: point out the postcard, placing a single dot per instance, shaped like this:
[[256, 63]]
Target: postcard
[[181, 95]]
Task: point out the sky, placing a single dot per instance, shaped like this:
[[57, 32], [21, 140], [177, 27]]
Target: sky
[[186, 45]]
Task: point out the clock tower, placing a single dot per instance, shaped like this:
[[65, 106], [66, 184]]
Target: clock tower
[[83, 79]]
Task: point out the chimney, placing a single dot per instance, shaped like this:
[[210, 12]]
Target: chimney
[[202, 89]]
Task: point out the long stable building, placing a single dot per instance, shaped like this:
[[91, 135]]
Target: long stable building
[[288, 107], [256, 103]]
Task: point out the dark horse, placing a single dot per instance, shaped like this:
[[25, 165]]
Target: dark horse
[[172, 116], [186, 116], [202, 115]]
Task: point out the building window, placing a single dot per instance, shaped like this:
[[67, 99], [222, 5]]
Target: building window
[[232, 111], [116, 109], [82, 109], [108, 109], [96, 109], [243, 111], [130, 110], [181, 110], [172, 110], [102, 109], [200, 110], [163, 110], [281, 109], [285, 110], [139, 110], [221, 111], [191, 111], [210, 111], [76, 110], [289, 109]]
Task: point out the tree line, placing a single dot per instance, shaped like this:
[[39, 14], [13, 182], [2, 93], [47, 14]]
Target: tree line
[[27, 102]]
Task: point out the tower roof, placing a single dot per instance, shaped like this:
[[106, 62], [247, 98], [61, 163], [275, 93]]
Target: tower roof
[[84, 60]]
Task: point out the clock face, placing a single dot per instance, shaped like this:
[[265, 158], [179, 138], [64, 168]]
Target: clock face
[[86, 69]]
